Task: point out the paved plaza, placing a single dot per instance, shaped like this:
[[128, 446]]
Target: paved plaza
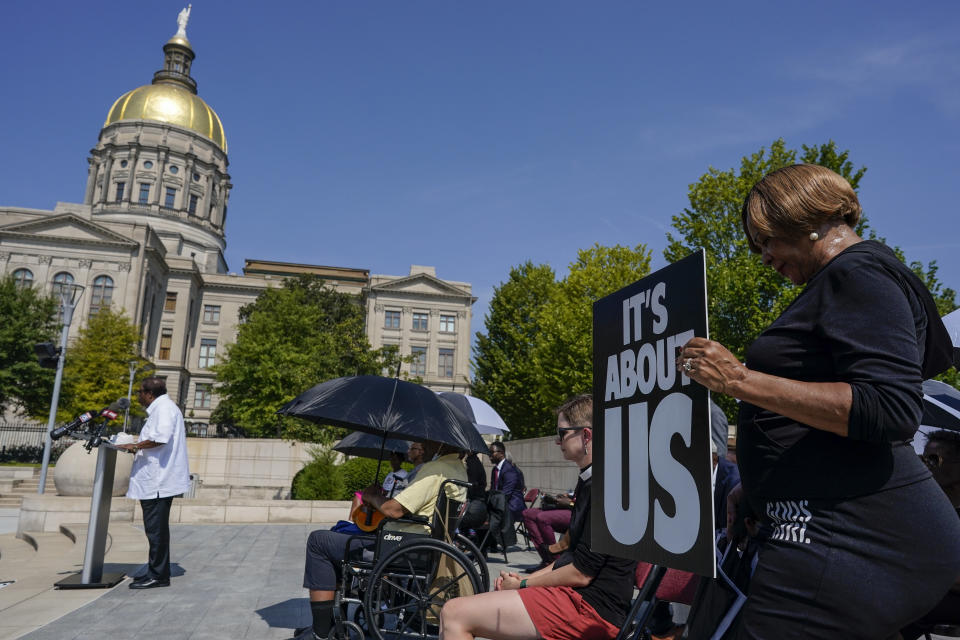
[[229, 581]]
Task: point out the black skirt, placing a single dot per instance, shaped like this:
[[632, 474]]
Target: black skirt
[[856, 568]]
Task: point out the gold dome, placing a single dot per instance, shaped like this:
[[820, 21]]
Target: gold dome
[[169, 103]]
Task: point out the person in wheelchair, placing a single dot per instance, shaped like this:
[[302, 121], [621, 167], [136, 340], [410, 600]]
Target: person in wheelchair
[[580, 596], [326, 549]]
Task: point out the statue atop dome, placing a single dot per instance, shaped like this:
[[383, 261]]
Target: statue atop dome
[[182, 18]]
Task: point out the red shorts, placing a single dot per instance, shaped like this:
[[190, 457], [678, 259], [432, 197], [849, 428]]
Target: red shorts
[[560, 613]]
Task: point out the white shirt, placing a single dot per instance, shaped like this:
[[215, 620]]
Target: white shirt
[[161, 472], [395, 482]]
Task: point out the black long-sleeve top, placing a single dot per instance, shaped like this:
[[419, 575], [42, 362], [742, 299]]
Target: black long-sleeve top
[[611, 589], [867, 320]]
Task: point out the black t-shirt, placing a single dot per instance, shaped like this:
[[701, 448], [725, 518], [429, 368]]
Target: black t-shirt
[[866, 320], [611, 590]]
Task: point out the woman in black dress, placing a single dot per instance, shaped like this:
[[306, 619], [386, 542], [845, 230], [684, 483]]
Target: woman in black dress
[[861, 539]]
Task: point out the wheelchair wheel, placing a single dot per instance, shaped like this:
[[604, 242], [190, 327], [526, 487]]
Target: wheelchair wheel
[[469, 549], [410, 585], [346, 630]]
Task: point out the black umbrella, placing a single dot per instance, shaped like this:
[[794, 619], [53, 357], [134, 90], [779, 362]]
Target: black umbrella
[[387, 407], [367, 445], [941, 405]]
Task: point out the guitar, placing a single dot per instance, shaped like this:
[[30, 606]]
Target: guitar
[[366, 517]]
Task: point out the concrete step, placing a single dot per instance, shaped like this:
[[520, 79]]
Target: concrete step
[[27, 487], [8, 501]]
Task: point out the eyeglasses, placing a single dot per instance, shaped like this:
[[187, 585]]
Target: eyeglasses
[[935, 460], [562, 432]]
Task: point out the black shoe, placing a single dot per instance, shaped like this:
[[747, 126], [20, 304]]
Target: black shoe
[[150, 583], [140, 577]]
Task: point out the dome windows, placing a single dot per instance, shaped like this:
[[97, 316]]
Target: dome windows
[[148, 164], [123, 164], [196, 177], [174, 169]]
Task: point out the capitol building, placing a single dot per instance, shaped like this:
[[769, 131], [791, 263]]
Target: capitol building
[[150, 235]]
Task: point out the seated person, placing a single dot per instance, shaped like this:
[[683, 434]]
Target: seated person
[[542, 523], [942, 456], [506, 478], [325, 549], [396, 480], [415, 457], [725, 477], [583, 594], [476, 512]]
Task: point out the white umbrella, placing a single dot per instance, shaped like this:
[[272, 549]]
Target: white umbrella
[[952, 322], [484, 417]]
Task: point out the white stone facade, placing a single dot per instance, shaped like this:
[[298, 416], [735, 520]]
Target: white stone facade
[[426, 316]]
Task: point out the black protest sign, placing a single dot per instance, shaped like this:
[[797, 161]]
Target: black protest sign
[[653, 496]]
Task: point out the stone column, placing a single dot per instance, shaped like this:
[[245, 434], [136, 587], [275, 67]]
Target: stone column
[[132, 185], [92, 172]]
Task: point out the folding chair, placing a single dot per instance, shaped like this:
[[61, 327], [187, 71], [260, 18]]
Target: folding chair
[[529, 499], [656, 584]]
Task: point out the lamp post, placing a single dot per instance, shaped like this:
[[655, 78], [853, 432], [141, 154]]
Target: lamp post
[[126, 412], [69, 297]]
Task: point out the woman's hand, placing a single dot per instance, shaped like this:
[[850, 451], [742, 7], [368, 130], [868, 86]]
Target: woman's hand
[[711, 364], [507, 581]]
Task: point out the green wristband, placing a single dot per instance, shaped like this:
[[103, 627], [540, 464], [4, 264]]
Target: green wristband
[[523, 583]]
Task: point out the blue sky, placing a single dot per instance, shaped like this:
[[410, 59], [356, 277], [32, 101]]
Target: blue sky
[[473, 136]]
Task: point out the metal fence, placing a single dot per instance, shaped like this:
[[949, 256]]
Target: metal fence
[[23, 442]]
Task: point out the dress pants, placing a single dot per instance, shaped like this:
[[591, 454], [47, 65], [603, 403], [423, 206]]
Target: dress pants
[[156, 524], [542, 524]]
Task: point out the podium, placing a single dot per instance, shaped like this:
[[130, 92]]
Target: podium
[[92, 576]]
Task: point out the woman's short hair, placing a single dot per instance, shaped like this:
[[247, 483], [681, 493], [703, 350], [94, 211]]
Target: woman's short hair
[[578, 410], [795, 200]]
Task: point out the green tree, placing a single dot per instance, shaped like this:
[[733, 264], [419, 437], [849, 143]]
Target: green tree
[[96, 370], [538, 348], [563, 353], [26, 318], [289, 339], [504, 375]]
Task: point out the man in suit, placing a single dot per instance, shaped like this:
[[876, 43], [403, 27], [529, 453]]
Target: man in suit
[[505, 477]]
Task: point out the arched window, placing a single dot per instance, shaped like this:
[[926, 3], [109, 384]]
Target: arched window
[[59, 281], [23, 278], [101, 294]]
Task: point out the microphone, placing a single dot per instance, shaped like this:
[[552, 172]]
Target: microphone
[[115, 409], [83, 418]]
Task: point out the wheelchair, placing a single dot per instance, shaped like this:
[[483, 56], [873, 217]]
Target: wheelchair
[[398, 593]]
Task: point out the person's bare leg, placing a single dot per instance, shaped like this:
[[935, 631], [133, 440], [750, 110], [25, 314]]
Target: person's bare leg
[[497, 615], [321, 596]]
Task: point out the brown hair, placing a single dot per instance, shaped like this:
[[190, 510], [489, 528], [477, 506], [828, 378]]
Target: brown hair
[[578, 410], [796, 200]]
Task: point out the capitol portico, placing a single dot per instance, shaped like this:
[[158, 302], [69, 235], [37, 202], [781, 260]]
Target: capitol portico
[[150, 236]]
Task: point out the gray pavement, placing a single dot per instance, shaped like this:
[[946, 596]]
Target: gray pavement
[[229, 581]]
